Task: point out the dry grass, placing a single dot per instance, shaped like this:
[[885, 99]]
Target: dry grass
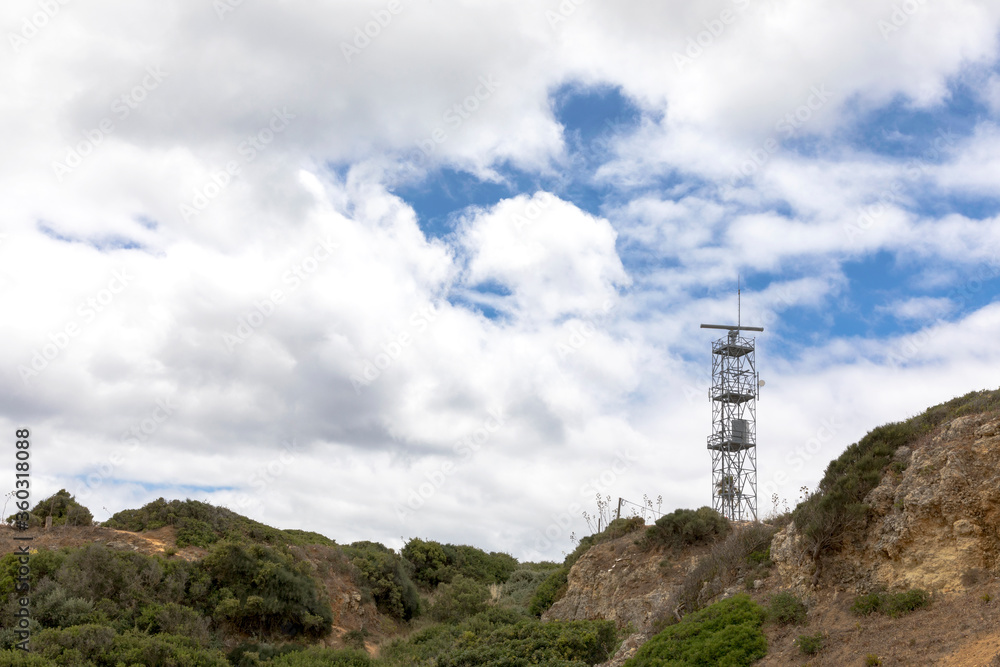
[[722, 566]]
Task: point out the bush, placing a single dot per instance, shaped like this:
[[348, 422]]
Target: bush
[[174, 619], [683, 527], [322, 657], [726, 633], [18, 658], [505, 638], [430, 562], [891, 604], [865, 605], [251, 654], [462, 598], [549, 591], [255, 588], [436, 563], [101, 645], [761, 556], [521, 586], [356, 638], [811, 644], [386, 576], [52, 606], [116, 583], [786, 609]]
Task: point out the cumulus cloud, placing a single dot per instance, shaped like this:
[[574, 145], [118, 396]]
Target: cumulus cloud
[[220, 286]]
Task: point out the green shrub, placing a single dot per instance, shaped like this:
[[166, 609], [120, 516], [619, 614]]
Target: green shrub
[[872, 660], [683, 527], [256, 588], [891, 604], [865, 605], [505, 638], [900, 604], [18, 658], [252, 654], [727, 633], [811, 644], [462, 598], [52, 606], [436, 563], [430, 562], [315, 656], [521, 586], [549, 591], [95, 584], [356, 638], [760, 556], [194, 532], [174, 619], [786, 609], [386, 576]]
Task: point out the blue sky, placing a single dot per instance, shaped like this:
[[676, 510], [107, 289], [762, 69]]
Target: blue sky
[[447, 283]]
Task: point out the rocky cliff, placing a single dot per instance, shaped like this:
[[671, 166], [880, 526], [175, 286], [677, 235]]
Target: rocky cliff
[[934, 521]]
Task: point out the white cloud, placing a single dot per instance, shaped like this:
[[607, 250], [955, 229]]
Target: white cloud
[[555, 259], [596, 348], [919, 308]]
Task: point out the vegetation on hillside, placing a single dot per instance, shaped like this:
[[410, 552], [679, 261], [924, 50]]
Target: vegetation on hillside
[[501, 637], [242, 588], [725, 633], [387, 578], [62, 507], [836, 511], [684, 527], [891, 604], [200, 524], [99, 606], [435, 563], [743, 554]]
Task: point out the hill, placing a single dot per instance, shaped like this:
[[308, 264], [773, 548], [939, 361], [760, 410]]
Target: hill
[[893, 560]]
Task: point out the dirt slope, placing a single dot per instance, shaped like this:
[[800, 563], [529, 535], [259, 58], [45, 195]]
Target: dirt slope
[[151, 543]]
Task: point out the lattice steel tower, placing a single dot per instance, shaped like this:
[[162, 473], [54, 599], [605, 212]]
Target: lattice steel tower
[[733, 443]]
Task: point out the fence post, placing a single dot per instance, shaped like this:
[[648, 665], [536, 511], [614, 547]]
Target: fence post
[[619, 513]]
